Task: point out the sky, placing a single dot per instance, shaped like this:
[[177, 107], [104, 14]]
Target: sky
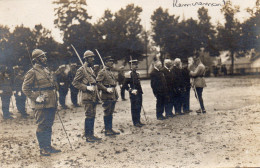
[[32, 12]]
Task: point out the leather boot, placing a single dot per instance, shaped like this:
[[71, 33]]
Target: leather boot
[[108, 126]]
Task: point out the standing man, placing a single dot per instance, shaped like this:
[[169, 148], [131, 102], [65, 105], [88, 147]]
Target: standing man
[[106, 81], [121, 78], [5, 91], [133, 85], [20, 97], [73, 91], [85, 80], [168, 74], [199, 81], [63, 81], [186, 89], [177, 85], [160, 90], [40, 87]]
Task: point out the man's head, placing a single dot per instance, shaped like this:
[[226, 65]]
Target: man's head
[[134, 64], [177, 62], [39, 56], [168, 63], [89, 57], [109, 61], [158, 65], [196, 57]]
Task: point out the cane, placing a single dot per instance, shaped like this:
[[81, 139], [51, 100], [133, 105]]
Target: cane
[[144, 114]]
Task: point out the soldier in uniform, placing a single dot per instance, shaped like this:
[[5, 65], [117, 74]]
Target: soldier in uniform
[[63, 81], [39, 85], [20, 97], [106, 81], [133, 85], [121, 78], [160, 90], [199, 81], [168, 74], [5, 90], [85, 80], [73, 91]]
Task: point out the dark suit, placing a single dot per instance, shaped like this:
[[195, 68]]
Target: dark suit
[[177, 89], [160, 91]]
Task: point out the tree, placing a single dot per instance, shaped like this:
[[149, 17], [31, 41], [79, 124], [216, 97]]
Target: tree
[[229, 35], [5, 51]]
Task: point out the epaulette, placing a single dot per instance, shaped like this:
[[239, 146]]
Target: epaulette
[[128, 74]]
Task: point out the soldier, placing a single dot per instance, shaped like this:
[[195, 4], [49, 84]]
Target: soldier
[[160, 90], [73, 91], [85, 80], [106, 81], [40, 87], [20, 97], [177, 85], [5, 90], [133, 85], [121, 78], [168, 74], [63, 81], [199, 81]]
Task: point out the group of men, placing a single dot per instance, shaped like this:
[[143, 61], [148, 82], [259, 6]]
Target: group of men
[[171, 86]]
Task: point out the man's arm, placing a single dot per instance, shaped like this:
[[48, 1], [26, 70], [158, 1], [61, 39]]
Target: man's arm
[[28, 84], [77, 82]]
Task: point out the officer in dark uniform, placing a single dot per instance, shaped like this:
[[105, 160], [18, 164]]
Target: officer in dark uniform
[[177, 86], [133, 85], [121, 79], [73, 91], [107, 84], [63, 82], [168, 74], [160, 90], [85, 80], [20, 97], [5, 90], [39, 85]]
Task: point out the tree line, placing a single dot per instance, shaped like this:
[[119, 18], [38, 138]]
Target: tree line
[[121, 34]]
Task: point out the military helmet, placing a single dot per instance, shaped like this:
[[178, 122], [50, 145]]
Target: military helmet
[[88, 53], [36, 53], [108, 58], [133, 61]]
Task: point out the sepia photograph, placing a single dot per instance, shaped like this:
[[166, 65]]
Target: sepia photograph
[[129, 83]]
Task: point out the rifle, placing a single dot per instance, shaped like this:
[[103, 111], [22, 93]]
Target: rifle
[[85, 70]]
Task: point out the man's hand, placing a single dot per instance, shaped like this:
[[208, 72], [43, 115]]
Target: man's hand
[[110, 90], [40, 99], [91, 88], [19, 93], [134, 92], [1, 91]]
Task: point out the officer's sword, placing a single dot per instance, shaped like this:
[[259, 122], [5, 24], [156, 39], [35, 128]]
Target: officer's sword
[[85, 70], [57, 110]]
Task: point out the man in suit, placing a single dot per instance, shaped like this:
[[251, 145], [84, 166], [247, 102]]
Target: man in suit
[[160, 90]]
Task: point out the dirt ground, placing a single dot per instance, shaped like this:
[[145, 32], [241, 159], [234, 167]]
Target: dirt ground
[[228, 135]]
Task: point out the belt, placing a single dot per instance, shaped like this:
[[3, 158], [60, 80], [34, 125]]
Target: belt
[[91, 84], [110, 85], [198, 76], [46, 88]]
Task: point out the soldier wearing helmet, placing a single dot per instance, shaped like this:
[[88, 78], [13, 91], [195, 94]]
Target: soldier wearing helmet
[[85, 80], [40, 87]]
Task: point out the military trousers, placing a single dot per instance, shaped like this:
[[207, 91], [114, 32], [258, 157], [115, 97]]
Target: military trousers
[[63, 91], [74, 95], [109, 107], [199, 92], [90, 109], [5, 104], [44, 120], [186, 99], [20, 102], [136, 106]]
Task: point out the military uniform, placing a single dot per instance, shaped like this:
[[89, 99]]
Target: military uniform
[[39, 85], [6, 92], [106, 79], [121, 78], [20, 97], [132, 82], [73, 91], [85, 79]]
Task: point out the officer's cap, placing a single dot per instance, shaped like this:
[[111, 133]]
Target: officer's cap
[[133, 61], [37, 53], [88, 53], [108, 58]]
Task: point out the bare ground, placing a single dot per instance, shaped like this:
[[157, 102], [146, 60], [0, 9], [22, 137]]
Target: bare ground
[[227, 136]]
